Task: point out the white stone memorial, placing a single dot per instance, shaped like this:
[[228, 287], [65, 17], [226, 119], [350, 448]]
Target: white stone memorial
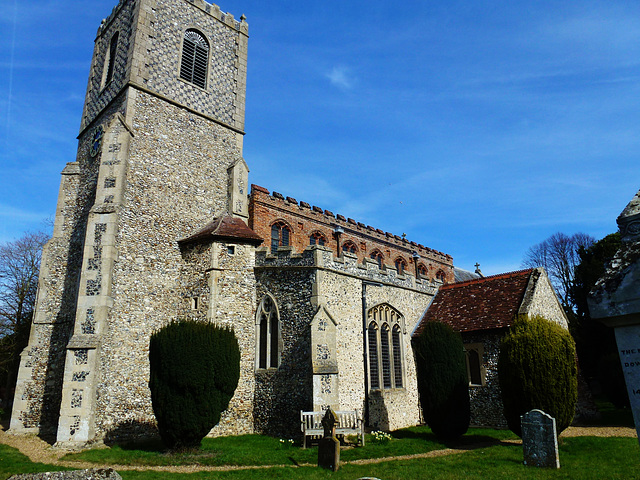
[[615, 301]]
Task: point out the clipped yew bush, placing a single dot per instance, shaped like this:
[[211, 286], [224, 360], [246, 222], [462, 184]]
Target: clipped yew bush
[[195, 368], [443, 385], [537, 369]]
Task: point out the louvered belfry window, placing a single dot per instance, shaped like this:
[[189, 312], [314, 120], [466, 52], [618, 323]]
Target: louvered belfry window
[[195, 54]]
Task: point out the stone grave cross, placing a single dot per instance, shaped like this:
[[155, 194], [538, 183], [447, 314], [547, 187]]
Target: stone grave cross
[[329, 445]]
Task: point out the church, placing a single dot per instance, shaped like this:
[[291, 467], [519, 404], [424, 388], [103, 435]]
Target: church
[[156, 220]]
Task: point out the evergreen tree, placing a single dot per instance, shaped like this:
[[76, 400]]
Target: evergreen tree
[[195, 368], [443, 385], [537, 370], [595, 342]]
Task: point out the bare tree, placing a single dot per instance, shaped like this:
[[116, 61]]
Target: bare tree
[[19, 268], [558, 254]]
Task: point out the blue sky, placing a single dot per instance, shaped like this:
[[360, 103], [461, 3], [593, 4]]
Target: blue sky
[[476, 128]]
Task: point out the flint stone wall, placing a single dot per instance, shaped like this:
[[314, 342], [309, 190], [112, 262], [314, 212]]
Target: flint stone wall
[[486, 400], [301, 283], [176, 183]]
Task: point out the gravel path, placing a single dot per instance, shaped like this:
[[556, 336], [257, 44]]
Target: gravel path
[[41, 452]]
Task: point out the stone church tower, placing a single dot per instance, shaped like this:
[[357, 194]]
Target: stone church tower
[[159, 156]]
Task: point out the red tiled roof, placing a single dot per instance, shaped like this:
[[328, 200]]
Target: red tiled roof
[[225, 228], [479, 304]]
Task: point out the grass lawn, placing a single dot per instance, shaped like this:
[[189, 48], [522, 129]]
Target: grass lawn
[[580, 458], [262, 450]]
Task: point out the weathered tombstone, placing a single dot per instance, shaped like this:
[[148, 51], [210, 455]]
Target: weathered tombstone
[[539, 439], [329, 446], [615, 301]]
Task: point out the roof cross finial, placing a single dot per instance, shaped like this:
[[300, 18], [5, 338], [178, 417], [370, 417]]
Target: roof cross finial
[[478, 271]]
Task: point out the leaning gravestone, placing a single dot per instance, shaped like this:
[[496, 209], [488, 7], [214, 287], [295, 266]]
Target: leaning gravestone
[[539, 439], [329, 445], [90, 474]]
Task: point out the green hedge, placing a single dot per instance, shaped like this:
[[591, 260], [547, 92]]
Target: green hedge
[[537, 369], [195, 368], [443, 385]]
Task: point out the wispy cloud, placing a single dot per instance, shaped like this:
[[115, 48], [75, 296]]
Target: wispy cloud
[[341, 77]]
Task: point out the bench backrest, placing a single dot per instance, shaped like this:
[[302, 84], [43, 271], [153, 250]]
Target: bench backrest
[[346, 419]]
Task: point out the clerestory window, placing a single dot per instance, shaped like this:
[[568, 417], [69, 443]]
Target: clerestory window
[[268, 334], [195, 57], [316, 238], [280, 236], [384, 338], [349, 247], [377, 256], [422, 271], [401, 265]]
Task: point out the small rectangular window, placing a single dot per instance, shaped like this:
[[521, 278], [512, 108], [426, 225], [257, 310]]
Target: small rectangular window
[[231, 249], [194, 303]]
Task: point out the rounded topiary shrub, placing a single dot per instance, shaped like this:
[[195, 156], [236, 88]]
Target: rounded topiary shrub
[[195, 367], [443, 385], [537, 369]]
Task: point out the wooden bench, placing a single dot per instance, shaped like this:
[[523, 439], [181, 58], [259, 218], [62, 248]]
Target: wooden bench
[[349, 423]]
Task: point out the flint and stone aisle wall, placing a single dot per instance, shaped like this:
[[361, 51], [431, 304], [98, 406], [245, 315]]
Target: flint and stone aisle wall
[[486, 400], [303, 283], [390, 409], [281, 393]]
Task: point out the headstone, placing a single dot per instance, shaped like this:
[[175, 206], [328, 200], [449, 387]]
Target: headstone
[[90, 474], [329, 446], [539, 439]]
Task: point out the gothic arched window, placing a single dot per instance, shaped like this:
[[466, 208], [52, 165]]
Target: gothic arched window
[[401, 265], [195, 56], [349, 247], [280, 236], [316, 238], [475, 369], [377, 256], [422, 271], [384, 336], [441, 276], [268, 334]]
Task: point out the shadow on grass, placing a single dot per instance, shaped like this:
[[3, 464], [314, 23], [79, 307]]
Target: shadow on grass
[[135, 435]]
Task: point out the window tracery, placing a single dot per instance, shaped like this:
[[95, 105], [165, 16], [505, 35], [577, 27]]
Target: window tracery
[[268, 333], [280, 236], [317, 238], [377, 256], [349, 247], [401, 265], [384, 336]]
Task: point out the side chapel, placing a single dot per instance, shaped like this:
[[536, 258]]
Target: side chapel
[[155, 222]]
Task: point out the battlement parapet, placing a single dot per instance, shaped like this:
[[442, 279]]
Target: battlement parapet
[[209, 8], [322, 257], [261, 194]]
